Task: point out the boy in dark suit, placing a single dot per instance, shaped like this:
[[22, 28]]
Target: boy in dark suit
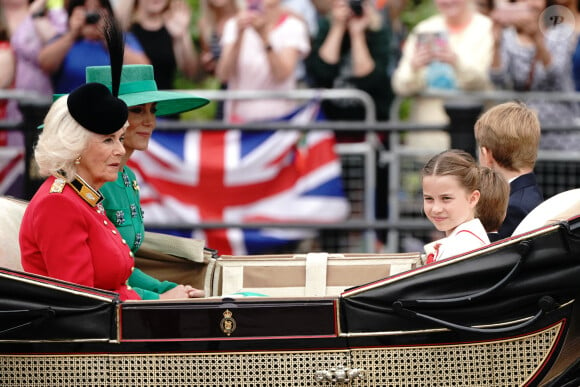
[[508, 136]]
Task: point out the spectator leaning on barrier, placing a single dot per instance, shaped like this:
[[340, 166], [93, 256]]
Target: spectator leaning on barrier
[[451, 50], [508, 136]]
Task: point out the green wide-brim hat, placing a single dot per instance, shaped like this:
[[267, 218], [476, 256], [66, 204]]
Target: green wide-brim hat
[[138, 87]]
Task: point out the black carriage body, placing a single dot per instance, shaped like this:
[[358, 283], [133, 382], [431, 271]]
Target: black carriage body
[[504, 315]]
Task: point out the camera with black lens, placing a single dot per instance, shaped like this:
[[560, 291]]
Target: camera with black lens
[[356, 6], [92, 17]]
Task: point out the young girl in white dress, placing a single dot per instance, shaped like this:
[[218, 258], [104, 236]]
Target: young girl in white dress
[[451, 191]]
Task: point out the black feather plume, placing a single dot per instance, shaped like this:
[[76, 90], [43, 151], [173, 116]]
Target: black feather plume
[[116, 46]]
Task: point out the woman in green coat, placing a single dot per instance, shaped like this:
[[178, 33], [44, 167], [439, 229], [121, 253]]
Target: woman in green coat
[[139, 91]]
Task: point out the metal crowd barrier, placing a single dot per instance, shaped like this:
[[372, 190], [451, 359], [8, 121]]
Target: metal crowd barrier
[[34, 108]]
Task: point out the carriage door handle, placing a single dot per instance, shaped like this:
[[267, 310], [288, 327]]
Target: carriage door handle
[[338, 374]]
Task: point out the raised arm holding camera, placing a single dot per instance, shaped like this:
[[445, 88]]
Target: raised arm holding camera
[[82, 45], [351, 50]]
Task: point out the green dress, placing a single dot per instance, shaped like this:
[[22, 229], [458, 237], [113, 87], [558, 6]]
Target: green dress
[[123, 208]]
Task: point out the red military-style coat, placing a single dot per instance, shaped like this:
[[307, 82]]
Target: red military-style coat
[[65, 234]]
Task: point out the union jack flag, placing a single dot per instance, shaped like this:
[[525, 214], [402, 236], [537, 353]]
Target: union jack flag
[[237, 176]]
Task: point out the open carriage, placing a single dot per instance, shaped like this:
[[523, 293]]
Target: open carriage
[[502, 315]]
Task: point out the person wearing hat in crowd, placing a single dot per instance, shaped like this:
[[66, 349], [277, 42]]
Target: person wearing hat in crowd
[[138, 90], [65, 233]]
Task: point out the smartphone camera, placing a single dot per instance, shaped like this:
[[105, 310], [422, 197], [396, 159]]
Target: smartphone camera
[[92, 18], [356, 6]]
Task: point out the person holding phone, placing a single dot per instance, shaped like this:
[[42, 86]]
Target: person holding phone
[[467, 52], [68, 54]]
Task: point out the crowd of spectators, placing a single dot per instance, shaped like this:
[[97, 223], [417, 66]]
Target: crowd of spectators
[[285, 44]]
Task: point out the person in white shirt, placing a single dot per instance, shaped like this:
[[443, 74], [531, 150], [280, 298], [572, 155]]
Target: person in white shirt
[[451, 190], [262, 47]]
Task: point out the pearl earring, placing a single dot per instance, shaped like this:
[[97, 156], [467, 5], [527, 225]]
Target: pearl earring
[[78, 160]]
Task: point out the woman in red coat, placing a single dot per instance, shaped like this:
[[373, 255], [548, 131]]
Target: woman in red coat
[[65, 233]]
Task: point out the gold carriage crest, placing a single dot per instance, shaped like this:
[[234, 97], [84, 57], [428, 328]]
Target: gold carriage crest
[[228, 324]]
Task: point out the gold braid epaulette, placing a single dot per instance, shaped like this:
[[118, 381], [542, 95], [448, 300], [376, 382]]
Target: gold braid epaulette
[[57, 185]]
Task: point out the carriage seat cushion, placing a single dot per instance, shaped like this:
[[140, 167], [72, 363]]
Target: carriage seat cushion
[[12, 211], [562, 206], [302, 275]]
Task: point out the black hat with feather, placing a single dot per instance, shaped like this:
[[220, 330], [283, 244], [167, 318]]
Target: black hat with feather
[[92, 105]]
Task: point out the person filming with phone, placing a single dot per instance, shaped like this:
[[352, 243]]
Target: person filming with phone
[[67, 55], [449, 50]]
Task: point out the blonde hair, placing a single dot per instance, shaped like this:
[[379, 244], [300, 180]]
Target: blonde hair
[[511, 131], [491, 209], [62, 141]]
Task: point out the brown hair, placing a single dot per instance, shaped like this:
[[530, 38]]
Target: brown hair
[[493, 201], [72, 4], [511, 131], [454, 162]]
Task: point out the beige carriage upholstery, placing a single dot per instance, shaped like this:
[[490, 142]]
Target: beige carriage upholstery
[[11, 212], [302, 275], [562, 206], [173, 258]]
